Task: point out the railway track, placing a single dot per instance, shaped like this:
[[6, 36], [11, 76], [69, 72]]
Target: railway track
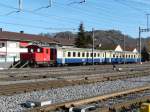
[[127, 105], [67, 72], [44, 85], [95, 99], [58, 69]]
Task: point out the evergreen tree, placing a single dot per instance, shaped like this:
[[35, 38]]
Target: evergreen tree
[[82, 40], [145, 54]]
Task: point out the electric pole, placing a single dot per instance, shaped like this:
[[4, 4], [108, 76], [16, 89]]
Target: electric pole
[[147, 15], [20, 6], [124, 48], [140, 43], [50, 3], [93, 35]]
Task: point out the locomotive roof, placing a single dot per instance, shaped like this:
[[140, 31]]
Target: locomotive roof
[[13, 36]]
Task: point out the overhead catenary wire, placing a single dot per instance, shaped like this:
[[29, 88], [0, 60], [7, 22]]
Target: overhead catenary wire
[[17, 10], [39, 14], [93, 21], [94, 18], [43, 15], [86, 12], [79, 2], [45, 7], [37, 27], [132, 7]]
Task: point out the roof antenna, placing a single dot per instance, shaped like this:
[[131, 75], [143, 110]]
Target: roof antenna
[[81, 2], [44, 7]]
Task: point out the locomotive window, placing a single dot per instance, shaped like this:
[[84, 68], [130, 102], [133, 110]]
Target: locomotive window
[[98, 55], [38, 50], [83, 54], [47, 51], [32, 50], [69, 54], [78, 54], [74, 54]]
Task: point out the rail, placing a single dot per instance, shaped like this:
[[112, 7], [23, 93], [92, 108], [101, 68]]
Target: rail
[[89, 100]]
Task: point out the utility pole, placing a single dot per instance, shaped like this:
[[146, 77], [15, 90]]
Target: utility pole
[[140, 43], [50, 3], [20, 6], [124, 48], [147, 15], [93, 35]]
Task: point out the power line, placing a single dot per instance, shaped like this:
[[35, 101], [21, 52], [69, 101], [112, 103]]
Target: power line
[[80, 2], [17, 10], [147, 15], [128, 5], [37, 27], [42, 15], [38, 14], [71, 19], [94, 18], [45, 7]]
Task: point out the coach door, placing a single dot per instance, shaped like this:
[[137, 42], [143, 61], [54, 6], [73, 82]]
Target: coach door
[[53, 55]]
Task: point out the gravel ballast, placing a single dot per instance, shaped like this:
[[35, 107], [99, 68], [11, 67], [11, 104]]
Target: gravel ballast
[[12, 103]]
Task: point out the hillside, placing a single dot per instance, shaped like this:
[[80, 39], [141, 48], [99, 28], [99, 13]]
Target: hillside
[[108, 39]]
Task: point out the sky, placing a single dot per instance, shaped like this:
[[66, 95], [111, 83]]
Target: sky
[[66, 15]]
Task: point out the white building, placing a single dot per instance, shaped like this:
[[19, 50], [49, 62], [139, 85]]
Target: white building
[[10, 51], [12, 44]]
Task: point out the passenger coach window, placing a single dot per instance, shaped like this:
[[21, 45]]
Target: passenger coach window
[[69, 54], [113, 56], [87, 54], [91, 54], [78, 54], [103, 55], [74, 54], [94, 54], [83, 54]]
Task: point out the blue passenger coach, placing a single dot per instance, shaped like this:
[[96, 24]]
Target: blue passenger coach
[[86, 56]]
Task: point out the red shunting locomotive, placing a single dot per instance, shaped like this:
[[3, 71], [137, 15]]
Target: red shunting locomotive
[[39, 55]]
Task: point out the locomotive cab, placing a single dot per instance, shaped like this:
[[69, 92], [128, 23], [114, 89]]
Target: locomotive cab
[[38, 55]]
